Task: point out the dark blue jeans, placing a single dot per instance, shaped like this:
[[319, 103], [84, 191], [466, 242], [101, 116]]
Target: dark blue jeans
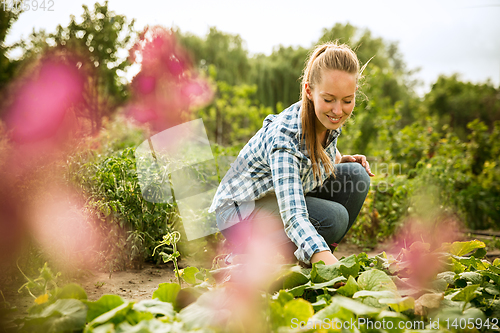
[[332, 209]]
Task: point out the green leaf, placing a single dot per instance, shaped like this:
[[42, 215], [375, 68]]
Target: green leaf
[[462, 248], [146, 326], [317, 286], [115, 316], [65, 315], [467, 294], [494, 277], [212, 309], [294, 278], [375, 294], [349, 289], [491, 289], [473, 277], [452, 313], [428, 301], [106, 328], [284, 297], [167, 292], [345, 308], [156, 307], [345, 267], [102, 305], [188, 274], [376, 280], [72, 290], [399, 304], [456, 266], [448, 276], [298, 308]]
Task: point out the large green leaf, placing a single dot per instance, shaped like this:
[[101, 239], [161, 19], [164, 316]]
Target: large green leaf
[[349, 289], [298, 309], [65, 315], [473, 277], [345, 308], [294, 277], [71, 290], [212, 309], [146, 326], [332, 282], [452, 313], [467, 294], [102, 305], [167, 292], [376, 280], [188, 274], [345, 267], [156, 307], [399, 304], [115, 316], [428, 302], [462, 248]]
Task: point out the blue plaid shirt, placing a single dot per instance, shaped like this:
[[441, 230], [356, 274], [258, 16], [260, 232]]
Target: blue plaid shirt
[[275, 160]]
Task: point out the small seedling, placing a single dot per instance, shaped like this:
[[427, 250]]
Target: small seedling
[[171, 239]]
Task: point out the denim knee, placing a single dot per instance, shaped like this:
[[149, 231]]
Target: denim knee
[[359, 177], [332, 225]]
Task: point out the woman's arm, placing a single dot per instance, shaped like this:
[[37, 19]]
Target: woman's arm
[[327, 257]]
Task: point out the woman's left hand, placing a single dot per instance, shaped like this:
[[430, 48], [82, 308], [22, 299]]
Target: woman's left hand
[[361, 159]]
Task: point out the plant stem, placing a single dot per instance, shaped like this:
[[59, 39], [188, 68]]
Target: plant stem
[[175, 265]]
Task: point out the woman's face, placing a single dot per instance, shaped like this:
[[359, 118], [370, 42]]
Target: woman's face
[[333, 99]]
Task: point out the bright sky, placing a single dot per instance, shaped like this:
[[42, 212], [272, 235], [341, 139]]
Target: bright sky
[[438, 36]]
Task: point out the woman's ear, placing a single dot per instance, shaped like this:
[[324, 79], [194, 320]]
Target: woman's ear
[[308, 90]]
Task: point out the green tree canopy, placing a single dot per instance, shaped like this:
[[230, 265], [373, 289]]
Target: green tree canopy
[[226, 52], [7, 67], [457, 103]]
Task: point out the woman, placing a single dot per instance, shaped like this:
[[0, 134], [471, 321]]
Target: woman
[[291, 168]]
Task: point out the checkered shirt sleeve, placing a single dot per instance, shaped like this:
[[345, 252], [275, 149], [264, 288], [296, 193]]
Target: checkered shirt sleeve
[[285, 167]]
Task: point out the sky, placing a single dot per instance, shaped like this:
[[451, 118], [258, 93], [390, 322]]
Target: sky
[[438, 37]]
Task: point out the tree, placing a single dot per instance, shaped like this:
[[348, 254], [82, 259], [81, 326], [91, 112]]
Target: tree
[[224, 51], [7, 67], [457, 103], [95, 41], [277, 76]]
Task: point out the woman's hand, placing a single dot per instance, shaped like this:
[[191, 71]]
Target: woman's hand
[[361, 159], [327, 257]]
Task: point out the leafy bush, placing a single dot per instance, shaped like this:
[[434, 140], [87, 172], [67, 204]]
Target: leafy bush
[[131, 224]]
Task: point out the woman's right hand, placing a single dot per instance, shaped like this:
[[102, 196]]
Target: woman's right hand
[[326, 256]]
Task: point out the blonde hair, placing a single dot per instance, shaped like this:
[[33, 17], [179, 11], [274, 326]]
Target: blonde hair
[[325, 56]]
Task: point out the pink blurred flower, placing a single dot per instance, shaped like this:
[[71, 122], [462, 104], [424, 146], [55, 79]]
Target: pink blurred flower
[[58, 225], [167, 85], [40, 105]]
